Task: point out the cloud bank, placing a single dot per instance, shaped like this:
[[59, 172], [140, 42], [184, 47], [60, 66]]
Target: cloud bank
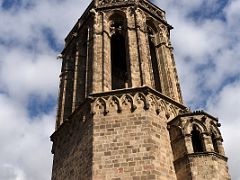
[[206, 42]]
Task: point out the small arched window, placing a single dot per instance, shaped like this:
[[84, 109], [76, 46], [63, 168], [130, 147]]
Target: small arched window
[[153, 56], [214, 142], [118, 54], [197, 140]]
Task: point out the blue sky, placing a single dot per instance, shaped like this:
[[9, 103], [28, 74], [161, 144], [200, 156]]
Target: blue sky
[[207, 53]]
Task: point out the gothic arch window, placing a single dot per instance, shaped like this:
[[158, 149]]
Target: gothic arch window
[[197, 141], [118, 52], [214, 142], [152, 30]]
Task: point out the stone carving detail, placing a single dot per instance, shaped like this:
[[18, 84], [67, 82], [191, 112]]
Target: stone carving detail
[[205, 125], [152, 9], [107, 2], [132, 102], [145, 4]]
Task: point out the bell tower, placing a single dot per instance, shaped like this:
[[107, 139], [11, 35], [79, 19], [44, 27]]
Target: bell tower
[[120, 110]]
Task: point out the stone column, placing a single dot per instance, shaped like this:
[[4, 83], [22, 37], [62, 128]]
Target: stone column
[[188, 143], [76, 78], [106, 54], [170, 80], [66, 92], [220, 146], [134, 61], [143, 47], [207, 142], [62, 89], [97, 70]]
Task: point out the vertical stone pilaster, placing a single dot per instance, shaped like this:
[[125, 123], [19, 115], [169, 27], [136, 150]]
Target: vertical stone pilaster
[[163, 64], [171, 73], [134, 61], [143, 47], [106, 58], [62, 90], [66, 91], [207, 141], [97, 73], [188, 143], [90, 59], [76, 79], [220, 147]]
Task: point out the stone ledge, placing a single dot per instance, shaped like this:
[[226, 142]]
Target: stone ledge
[[199, 155], [137, 98]]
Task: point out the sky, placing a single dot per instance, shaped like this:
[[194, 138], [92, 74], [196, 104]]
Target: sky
[[206, 41]]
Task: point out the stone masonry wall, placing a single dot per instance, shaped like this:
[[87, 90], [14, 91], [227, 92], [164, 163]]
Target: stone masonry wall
[[208, 167], [131, 146], [72, 149], [116, 137]]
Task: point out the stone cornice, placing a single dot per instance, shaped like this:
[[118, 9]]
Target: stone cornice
[[132, 99], [144, 89], [142, 4], [200, 154], [189, 114]]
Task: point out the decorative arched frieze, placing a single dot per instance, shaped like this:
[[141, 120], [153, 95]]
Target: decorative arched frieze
[[141, 97], [100, 106], [114, 102], [214, 128], [127, 100], [152, 101], [132, 101], [199, 125]]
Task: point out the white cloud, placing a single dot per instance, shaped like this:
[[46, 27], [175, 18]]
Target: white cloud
[[25, 146], [11, 173], [23, 73], [226, 106]]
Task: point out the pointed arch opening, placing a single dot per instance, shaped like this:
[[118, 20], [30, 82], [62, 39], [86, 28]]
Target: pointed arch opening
[[119, 67], [197, 141], [214, 142], [152, 30], [118, 59]]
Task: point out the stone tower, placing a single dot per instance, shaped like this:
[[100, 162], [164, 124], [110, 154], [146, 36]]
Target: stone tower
[[120, 110]]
